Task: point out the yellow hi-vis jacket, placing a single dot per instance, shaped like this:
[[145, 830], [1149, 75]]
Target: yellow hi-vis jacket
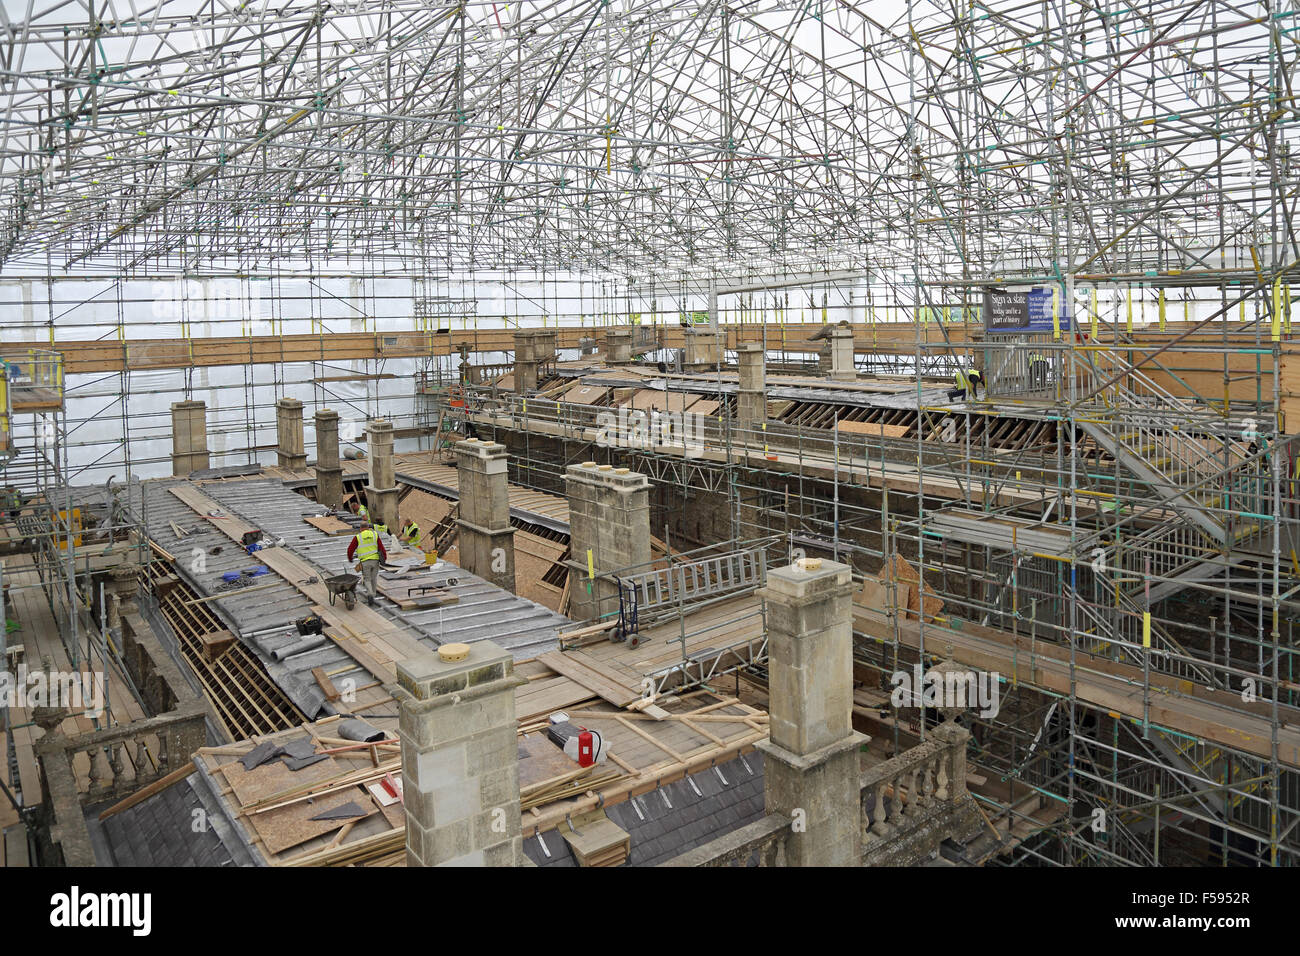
[[367, 545], [412, 532], [960, 378]]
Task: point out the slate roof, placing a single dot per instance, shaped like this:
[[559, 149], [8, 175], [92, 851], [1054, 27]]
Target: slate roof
[[159, 832], [676, 817]]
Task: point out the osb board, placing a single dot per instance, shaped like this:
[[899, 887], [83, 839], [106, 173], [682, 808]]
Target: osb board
[[544, 760], [427, 510], [872, 594], [874, 428], [274, 777], [903, 572], [534, 556], [648, 398], [581, 394], [705, 406], [289, 826]]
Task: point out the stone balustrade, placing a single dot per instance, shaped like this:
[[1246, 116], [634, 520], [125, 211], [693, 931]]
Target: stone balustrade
[[913, 802], [761, 842], [121, 760]]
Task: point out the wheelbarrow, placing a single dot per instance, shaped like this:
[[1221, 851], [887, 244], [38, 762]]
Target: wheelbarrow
[[344, 586]]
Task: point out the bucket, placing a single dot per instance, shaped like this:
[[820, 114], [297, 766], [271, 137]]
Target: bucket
[[431, 557]]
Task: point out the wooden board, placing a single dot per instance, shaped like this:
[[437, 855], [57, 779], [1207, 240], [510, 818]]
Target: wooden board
[[400, 594], [330, 525], [596, 840], [586, 671], [872, 428]]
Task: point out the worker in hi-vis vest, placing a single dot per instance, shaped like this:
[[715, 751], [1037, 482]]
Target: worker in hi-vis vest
[[967, 382], [369, 552], [1038, 368], [411, 533]]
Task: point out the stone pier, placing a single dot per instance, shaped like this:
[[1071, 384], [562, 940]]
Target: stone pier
[[381, 491], [609, 516], [189, 438], [534, 348], [703, 350], [329, 473], [842, 369], [487, 540], [751, 399], [290, 450], [811, 771], [618, 347], [460, 757]]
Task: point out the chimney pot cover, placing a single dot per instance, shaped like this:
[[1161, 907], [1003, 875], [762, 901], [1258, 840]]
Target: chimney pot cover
[[451, 653]]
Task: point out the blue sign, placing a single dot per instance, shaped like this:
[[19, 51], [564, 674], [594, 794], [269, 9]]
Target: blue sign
[[1022, 311]]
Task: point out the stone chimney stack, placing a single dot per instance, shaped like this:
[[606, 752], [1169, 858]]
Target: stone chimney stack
[[460, 757], [381, 492], [609, 517], [812, 765], [534, 348], [487, 539], [329, 473], [290, 451], [189, 438]]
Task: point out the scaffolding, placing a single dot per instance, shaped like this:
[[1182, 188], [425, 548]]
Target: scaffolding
[[1123, 499]]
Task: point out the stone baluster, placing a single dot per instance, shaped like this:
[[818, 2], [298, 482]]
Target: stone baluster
[[96, 767], [927, 785], [880, 827], [941, 783]]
